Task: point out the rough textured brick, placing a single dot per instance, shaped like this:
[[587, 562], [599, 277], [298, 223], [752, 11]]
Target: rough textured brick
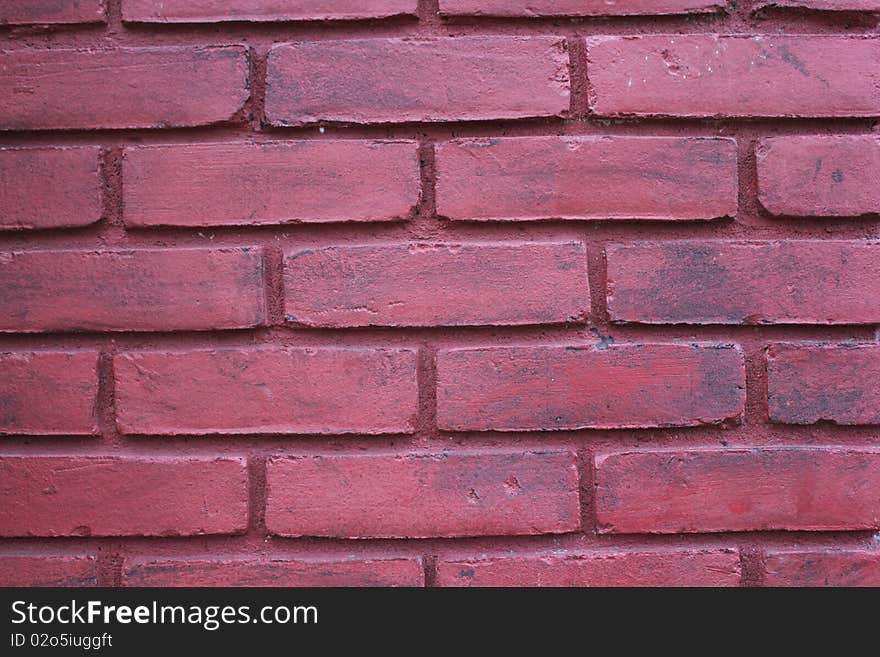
[[713, 282], [827, 567], [270, 183], [399, 80], [823, 5], [423, 495], [275, 390], [133, 290], [572, 387], [215, 11], [275, 572], [118, 496], [164, 87], [49, 187], [819, 176], [577, 7], [48, 571], [438, 285], [48, 392], [710, 75], [737, 489], [586, 178], [675, 567], [49, 12], [812, 383]]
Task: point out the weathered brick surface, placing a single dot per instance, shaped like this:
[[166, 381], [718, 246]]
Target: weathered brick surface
[[447, 494], [819, 176], [216, 11], [809, 383], [292, 182], [166, 87], [722, 282], [673, 567], [122, 496], [572, 387], [517, 8], [51, 12], [708, 75], [841, 567], [736, 489], [49, 188], [276, 390], [48, 571], [48, 392], [275, 572], [586, 178], [437, 285], [400, 80], [131, 290]]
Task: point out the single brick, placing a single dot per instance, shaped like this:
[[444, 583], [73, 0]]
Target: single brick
[[400, 80], [666, 567], [51, 571], [737, 489], [444, 494], [50, 12], [715, 282], [163, 87], [275, 390], [49, 188], [437, 285], [709, 75], [122, 496], [400, 571], [819, 176], [525, 178], [822, 5], [818, 567], [216, 11], [132, 290], [517, 8], [270, 183], [812, 383], [48, 392], [544, 388]]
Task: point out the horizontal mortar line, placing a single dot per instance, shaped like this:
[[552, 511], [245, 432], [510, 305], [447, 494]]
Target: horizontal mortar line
[[281, 547], [564, 126]]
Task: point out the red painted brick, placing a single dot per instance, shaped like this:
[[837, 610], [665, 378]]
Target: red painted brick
[[48, 571], [675, 567], [423, 495], [133, 290], [215, 11], [819, 176], [515, 8], [586, 178], [544, 388], [829, 567], [714, 282], [48, 392], [270, 183], [275, 572], [400, 80], [812, 383], [437, 285], [120, 496], [707, 75], [737, 489], [49, 188], [822, 5], [163, 87], [49, 12], [275, 390]]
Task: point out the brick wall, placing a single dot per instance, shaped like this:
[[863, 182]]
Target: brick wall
[[439, 293]]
